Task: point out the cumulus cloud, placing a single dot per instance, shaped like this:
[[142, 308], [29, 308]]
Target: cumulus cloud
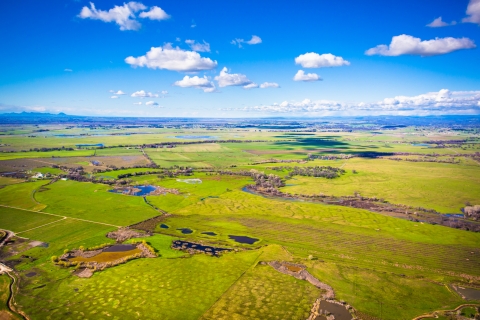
[[254, 40], [119, 92], [138, 103], [405, 44], [433, 103], [315, 60], [68, 70], [306, 77], [143, 94], [196, 82], [437, 23], [114, 97], [197, 46], [155, 13], [251, 86], [124, 16], [269, 85], [473, 12], [164, 92], [226, 79], [170, 58], [151, 103]]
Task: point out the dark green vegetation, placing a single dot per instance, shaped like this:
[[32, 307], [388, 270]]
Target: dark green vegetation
[[386, 266]]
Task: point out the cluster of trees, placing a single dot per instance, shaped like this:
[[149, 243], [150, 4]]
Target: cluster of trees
[[317, 171], [427, 159], [329, 156]]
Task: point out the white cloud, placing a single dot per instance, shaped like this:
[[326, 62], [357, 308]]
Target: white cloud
[[315, 60], [309, 77], [473, 12], [164, 92], [269, 85], [143, 94], [193, 25], [251, 86], [119, 92], [437, 23], [433, 103], [197, 46], [68, 70], [155, 13], [151, 103], [196, 82], [254, 40], [138, 103], [124, 15], [170, 58], [405, 44], [114, 97], [226, 79]]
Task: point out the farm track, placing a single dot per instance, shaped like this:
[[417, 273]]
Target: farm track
[[56, 215]]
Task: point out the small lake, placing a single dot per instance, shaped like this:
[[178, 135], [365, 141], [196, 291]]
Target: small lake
[[164, 226], [185, 230], [135, 190], [89, 145], [184, 245], [337, 310], [455, 215], [469, 293], [197, 137], [420, 145], [208, 233], [243, 239]]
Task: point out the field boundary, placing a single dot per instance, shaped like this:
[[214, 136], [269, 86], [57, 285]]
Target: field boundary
[[60, 216]]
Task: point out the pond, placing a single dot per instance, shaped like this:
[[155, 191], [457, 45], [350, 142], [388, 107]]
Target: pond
[[164, 226], [185, 230], [420, 145], [337, 310], [135, 190], [243, 239], [89, 145], [184, 245], [209, 233], [468, 293], [197, 137]]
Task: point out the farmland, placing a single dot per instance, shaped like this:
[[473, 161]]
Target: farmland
[[215, 185]]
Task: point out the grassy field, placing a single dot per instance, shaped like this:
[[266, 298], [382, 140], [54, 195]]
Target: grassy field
[[428, 185], [68, 198], [385, 267]]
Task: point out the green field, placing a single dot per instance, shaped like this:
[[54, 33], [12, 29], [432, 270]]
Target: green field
[[383, 266]]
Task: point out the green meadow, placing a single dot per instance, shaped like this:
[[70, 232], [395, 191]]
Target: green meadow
[[383, 266]]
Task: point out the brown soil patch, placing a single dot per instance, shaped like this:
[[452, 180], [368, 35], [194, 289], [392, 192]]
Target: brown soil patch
[[104, 257]]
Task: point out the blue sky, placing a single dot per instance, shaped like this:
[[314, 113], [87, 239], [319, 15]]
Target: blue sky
[[240, 58]]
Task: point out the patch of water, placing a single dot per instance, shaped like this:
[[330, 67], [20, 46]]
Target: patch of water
[[89, 145], [243, 239], [185, 230], [164, 226], [143, 190], [184, 245], [209, 233], [337, 310], [469, 293], [420, 145]]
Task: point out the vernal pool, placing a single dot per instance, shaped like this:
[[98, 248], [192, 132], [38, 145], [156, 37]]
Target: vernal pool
[[135, 190], [243, 239]]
